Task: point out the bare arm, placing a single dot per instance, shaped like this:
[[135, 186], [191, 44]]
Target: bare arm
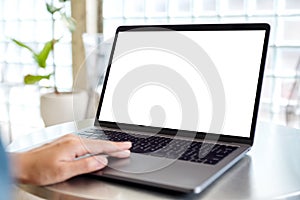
[[56, 161]]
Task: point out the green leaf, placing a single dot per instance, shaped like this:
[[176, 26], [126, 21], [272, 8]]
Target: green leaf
[[69, 22], [42, 56], [52, 9], [32, 79], [63, 1], [21, 44]]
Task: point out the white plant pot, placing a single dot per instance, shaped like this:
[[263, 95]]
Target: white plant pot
[[63, 107]]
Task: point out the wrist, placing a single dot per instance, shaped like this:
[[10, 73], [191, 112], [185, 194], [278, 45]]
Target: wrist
[[19, 167]]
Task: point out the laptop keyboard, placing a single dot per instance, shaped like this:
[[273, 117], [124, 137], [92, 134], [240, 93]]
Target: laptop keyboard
[[159, 146]]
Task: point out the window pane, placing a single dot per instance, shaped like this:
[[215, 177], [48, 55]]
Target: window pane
[[12, 53], [157, 8], [26, 9], [11, 29], [10, 11], [1, 9], [27, 28], [289, 7], [3, 110], [44, 33], [2, 51], [286, 61], [2, 37], [13, 73], [232, 7], [270, 62], [179, 8], [205, 7], [112, 8], [289, 90], [261, 7], [134, 8], [29, 69], [267, 90], [2, 71], [40, 10], [288, 31]]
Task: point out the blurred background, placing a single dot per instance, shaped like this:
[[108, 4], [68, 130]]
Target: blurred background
[[29, 22]]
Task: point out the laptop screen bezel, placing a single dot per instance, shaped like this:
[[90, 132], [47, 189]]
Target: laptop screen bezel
[[192, 27]]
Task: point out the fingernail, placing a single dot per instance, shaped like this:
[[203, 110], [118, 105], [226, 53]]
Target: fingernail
[[125, 153], [125, 144], [102, 161]]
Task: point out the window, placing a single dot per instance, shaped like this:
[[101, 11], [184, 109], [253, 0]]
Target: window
[[29, 22], [279, 101]]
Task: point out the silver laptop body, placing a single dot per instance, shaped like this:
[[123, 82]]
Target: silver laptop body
[[191, 83]]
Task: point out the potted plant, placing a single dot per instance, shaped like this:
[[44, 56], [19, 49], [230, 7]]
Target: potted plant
[[56, 107]]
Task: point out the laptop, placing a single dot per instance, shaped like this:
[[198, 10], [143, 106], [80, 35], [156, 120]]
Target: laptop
[[186, 96]]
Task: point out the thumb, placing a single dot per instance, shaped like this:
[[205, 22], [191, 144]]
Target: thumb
[[86, 165]]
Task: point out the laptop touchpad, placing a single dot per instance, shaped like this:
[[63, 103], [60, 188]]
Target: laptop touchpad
[[138, 163]]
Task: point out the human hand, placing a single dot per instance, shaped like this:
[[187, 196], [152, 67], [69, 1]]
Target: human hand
[[58, 160]]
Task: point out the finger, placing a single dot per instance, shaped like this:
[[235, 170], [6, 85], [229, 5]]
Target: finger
[[85, 165], [120, 154], [101, 146]]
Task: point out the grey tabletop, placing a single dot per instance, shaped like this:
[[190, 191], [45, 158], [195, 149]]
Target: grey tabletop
[[271, 170]]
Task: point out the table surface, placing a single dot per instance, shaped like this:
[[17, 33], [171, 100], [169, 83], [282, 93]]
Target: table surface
[[271, 170]]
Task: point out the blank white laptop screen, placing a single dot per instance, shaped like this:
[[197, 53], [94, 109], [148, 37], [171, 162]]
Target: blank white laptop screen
[[236, 56]]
